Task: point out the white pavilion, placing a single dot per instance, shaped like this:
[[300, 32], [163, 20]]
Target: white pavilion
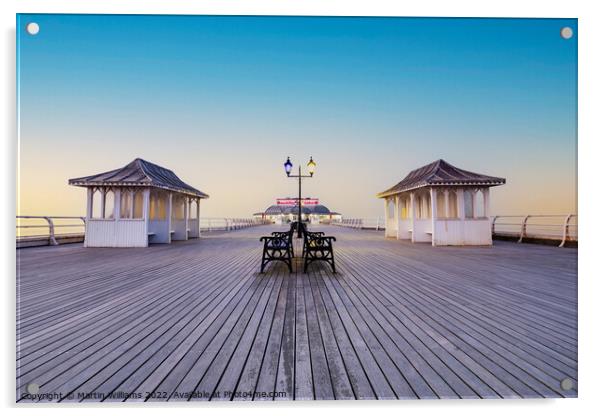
[[139, 204], [440, 204]]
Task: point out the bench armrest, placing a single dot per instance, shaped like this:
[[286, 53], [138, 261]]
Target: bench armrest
[[268, 238]]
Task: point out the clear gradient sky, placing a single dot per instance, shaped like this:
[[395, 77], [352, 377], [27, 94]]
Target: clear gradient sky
[[223, 101]]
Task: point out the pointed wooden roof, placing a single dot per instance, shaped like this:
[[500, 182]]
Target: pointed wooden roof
[[139, 172], [440, 172]]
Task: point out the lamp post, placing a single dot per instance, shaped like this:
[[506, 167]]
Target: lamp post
[[311, 168]]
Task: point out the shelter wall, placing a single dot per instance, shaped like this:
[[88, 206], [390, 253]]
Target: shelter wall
[[113, 233]]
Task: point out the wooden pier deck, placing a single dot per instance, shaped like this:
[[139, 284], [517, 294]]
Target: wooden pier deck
[[195, 320]]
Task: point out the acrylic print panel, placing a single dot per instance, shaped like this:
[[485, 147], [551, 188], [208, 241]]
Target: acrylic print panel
[[295, 208]]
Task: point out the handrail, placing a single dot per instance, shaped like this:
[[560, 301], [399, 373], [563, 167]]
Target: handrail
[[523, 229], [556, 227], [561, 230], [228, 224], [375, 223], [50, 225], [565, 230]]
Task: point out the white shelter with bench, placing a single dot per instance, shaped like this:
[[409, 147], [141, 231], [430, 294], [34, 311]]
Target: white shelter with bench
[[440, 204], [139, 204]]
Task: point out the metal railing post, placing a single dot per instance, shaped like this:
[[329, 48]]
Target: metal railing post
[[52, 239], [493, 225], [565, 230], [523, 229]]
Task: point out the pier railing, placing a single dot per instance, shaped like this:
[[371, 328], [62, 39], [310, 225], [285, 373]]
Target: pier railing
[[375, 223], [228, 224], [33, 230], [561, 229]]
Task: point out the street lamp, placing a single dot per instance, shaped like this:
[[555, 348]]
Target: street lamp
[[288, 166], [311, 167]]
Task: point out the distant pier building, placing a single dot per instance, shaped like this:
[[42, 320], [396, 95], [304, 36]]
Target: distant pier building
[[440, 204], [286, 210], [138, 204]]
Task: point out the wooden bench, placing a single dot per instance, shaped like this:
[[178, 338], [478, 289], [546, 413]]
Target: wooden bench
[[278, 247], [318, 247]]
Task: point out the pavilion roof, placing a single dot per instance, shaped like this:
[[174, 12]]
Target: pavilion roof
[[440, 172], [293, 209], [139, 172]]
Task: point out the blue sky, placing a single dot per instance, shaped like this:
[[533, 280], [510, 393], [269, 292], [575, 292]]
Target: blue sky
[[223, 100]]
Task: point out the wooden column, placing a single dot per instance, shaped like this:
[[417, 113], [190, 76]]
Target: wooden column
[[386, 216], [90, 204], [103, 198], [446, 193], [89, 213], [186, 212], [198, 216], [400, 206], [460, 203], [486, 202], [433, 213], [132, 194], [396, 216], [412, 214], [146, 211], [117, 204], [474, 202], [169, 211]]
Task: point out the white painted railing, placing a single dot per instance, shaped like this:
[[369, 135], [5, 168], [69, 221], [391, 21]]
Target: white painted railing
[[35, 230], [228, 224], [51, 228], [375, 223], [561, 228]]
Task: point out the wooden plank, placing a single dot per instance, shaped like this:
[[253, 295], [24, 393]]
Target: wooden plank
[[183, 370], [147, 359], [399, 320], [363, 386], [228, 363], [319, 365], [76, 356], [341, 383], [245, 386], [268, 373], [285, 376], [304, 388], [495, 324]]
